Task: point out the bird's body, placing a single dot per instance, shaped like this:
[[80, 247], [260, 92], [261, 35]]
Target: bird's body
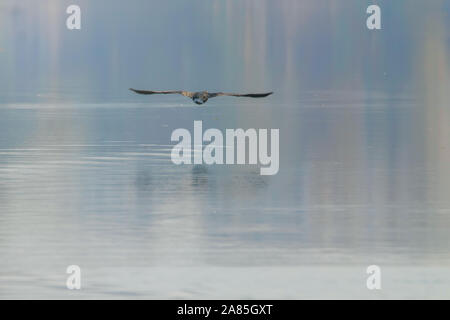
[[201, 97]]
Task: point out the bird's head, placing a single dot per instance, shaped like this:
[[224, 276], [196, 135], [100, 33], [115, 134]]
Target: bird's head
[[200, 97]]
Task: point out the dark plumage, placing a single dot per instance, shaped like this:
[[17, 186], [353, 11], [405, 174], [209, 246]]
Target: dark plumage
[[202, 96]]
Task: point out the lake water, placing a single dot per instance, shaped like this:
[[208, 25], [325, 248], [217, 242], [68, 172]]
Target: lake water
[[93, 185]]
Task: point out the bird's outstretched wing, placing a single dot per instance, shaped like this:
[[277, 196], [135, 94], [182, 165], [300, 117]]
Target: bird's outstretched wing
[[250, 95], [184, 93]]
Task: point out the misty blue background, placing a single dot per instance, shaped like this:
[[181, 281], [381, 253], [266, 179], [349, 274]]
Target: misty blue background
[[287, 46]]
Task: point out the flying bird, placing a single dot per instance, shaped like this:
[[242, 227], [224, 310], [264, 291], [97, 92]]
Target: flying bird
[[202, 96]]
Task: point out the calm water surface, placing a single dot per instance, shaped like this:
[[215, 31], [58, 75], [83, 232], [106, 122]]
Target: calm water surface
[[94, 185]]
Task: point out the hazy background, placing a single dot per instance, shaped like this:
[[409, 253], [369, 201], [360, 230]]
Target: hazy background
[[85, 170], [287, 46]]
